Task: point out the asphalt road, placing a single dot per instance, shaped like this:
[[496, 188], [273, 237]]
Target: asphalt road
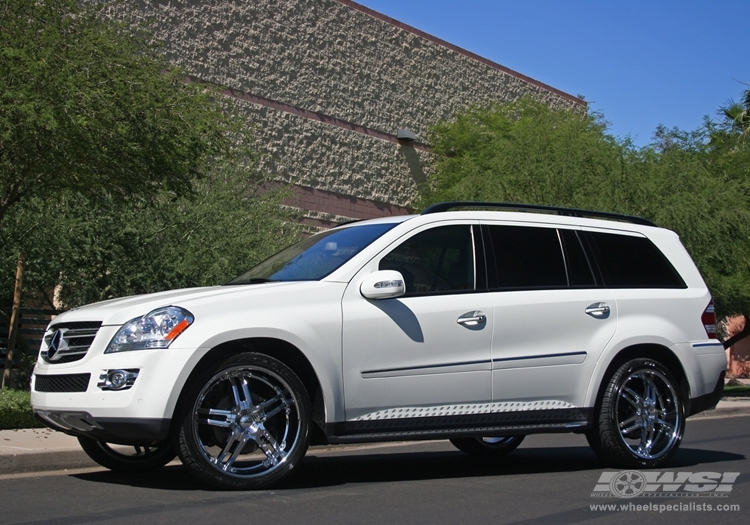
[[549, 480]]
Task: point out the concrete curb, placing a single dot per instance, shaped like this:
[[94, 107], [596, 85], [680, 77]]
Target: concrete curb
[[44, 450], [727, 407], [45, 461]]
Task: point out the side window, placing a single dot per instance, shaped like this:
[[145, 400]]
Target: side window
[[576, 261], [633, 262], [525, 258], [437, 260]]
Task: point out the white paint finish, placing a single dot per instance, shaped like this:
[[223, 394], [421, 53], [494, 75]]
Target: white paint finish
[[409, 355], [411, 351], [532, 327]]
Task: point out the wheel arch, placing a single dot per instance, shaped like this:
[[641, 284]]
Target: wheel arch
[[653, 351], [279, 349]]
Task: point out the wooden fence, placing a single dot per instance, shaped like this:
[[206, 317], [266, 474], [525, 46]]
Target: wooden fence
[[31, 325]]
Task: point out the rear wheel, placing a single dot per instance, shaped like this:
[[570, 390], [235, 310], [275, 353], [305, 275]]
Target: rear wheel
[[641, 420], [488, 446], [247, 423], [133, 458]]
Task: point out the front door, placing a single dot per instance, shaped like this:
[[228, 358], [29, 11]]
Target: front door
[[426, 354]]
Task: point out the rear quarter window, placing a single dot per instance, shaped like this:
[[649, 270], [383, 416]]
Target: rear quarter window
[[627, 261]]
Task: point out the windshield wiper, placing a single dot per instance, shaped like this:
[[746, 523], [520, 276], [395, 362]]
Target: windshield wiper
[[254, 280]]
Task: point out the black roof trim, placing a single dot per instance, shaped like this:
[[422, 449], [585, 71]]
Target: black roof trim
[[571, 212]]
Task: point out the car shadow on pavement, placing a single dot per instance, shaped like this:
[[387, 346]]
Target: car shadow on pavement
[[326, 470]]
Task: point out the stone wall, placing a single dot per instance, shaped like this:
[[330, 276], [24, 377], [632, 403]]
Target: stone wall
[[327, 84]]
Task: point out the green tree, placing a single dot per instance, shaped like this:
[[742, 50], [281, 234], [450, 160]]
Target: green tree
[[97, 249], [90, 106], [116, 176], [738, 114], [697, 189], [526, 152]]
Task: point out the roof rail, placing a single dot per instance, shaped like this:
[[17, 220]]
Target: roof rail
[[571, 212]]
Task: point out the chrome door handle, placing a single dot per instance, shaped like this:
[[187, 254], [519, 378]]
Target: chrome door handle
[[598, 310], [472, 319]]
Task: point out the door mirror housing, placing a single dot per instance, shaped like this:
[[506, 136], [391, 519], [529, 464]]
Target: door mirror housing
[[383, 284]]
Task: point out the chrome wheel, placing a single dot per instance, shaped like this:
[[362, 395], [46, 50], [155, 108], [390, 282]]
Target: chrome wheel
[[647, 415], [248, 424], [488, 446], [641, 419]]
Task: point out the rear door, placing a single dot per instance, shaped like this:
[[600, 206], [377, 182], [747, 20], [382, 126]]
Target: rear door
[[552, 318]]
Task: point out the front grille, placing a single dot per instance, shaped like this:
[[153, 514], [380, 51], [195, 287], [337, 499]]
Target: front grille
[[62, 383], [67, 342]]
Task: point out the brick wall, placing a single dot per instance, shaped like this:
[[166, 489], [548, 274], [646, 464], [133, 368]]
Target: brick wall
[[327, 84]]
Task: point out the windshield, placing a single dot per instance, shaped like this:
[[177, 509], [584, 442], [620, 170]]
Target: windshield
[[315, 257]]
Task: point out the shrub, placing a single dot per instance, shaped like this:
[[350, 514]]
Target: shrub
[[15, 410]]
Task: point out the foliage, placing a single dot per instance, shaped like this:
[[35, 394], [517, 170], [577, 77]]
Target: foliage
[[696, 183], [116, 176], [99, 249], [738, 114], [89, 106], [520, 152], [15, 410], [736, 390]]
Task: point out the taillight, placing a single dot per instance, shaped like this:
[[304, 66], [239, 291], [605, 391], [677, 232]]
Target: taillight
[[709, 320]]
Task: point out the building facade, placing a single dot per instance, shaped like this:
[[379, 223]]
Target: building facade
[[340, 96]]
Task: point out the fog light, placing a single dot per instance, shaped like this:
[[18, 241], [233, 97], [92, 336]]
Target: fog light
[[117, 379]]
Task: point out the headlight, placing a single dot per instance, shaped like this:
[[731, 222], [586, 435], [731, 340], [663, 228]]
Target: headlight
[[156, 329]]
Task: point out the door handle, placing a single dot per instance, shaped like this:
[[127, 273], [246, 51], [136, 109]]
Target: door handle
[[598, 310], [472, 319]]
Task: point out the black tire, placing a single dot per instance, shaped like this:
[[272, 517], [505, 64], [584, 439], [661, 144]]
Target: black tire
[[246, 423], [488, 446], [135, 458], [641, 420]]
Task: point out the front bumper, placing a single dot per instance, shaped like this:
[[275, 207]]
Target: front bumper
[[73, 398], [112, 430]]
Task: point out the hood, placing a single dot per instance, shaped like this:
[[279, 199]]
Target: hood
[[119, 311]]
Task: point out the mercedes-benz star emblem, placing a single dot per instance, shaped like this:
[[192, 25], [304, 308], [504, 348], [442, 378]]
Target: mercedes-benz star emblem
[[54, 344]]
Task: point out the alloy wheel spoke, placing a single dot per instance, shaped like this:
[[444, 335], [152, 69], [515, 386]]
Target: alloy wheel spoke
[[233, 438], [653, 395], [625, 429], [246, 392], [241, 393], [647, 440], [283, 403], [241, 440], [226, 422], [631, 397], [269, 447]]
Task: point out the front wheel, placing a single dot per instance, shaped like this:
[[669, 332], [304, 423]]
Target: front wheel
[[246, 423], [641, 419], [121, 458], [488, 446]]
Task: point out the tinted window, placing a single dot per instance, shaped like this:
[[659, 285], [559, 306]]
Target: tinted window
[[525, 257], [436, 260], [633, 262], [579, 269]]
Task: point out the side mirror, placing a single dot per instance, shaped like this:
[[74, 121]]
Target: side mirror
[[383, 284]]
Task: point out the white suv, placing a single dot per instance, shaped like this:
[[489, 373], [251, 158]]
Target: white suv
[[475, 326]]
